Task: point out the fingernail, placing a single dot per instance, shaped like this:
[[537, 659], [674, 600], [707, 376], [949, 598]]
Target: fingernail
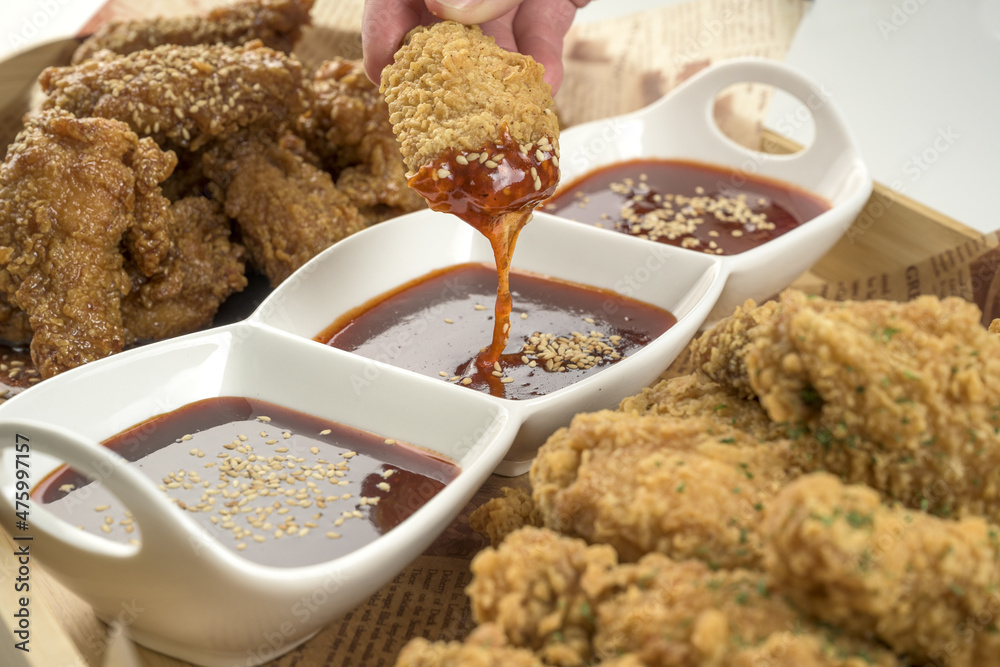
[[460, 4]]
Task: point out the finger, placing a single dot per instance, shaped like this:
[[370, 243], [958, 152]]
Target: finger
[[471, 12], [540, 27], [502, 31], [384, 24]]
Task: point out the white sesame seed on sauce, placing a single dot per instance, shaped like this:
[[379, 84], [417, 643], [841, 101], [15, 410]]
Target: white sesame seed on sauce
[[102, 508]]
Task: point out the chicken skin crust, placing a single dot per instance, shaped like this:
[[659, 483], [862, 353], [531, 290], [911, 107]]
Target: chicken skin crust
[[288, 210], [202, 269], [575, 604], [72, 193], [904, 397], [687, 488], [928, 587], [276, 23], [184, 96], [347, 126], [452, 87]]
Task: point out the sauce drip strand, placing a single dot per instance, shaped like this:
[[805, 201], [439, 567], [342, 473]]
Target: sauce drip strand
[[495, 189], [279, 486], [686, 204]]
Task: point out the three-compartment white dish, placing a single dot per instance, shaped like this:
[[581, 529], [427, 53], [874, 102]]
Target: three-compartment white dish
[[205, 603]]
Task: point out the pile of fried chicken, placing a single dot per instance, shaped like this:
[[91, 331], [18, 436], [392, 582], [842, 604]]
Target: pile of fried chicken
[[167, 157], [823, 490]]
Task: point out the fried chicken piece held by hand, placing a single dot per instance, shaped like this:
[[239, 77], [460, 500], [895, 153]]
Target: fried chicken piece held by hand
[[70, 190], [184, 96], [479, 138], [288, 211], [276, 23], [471, 116]]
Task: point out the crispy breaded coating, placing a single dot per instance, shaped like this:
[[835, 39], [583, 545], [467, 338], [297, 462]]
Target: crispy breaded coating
[[687, 488], [288, 211], [685, 614], [541, 589], [202, 268], [451, 86], [71, 190], [15, 328], [276, 23], [574, 604], [184, 96], [499, 517], [904, 397], [695, 395], [928, 587], [348, 126], [485, 647], [721, 352]]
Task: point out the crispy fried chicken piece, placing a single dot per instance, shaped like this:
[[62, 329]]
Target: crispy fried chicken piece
[[15, 329], [680, 614], [928, 587], [541, 589], [288, 211], [347, 125], [574, 604], [184, 96], [277, 23], [695, 395], [485, 647], [904, 397], [451, 86], [688, 488], [70, 191], [499, 517], [202, 268]]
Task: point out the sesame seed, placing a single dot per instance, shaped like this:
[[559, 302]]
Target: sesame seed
[[491, 164], [102, 508]]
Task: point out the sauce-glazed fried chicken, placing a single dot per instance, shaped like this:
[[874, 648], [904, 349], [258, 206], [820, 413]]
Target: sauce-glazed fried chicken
[[183, 96], [288, 210], [348, 126], [71, 190], [276, 23], [200, 270]]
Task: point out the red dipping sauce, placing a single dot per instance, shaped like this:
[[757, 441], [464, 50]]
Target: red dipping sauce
[[691, 205], [561, 332], [280, 487]]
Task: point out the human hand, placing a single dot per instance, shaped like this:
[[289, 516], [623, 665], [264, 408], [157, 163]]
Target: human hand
[[532, 27]]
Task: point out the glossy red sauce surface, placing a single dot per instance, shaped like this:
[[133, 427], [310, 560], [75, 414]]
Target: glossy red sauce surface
[[687, 204], [433, 325], [292, 488]]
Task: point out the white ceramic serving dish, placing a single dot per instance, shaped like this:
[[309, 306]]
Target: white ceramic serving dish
[[680, 126], [203, 602]]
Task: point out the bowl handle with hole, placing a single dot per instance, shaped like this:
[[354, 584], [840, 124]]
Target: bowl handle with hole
[[692, 103], [164, 535]]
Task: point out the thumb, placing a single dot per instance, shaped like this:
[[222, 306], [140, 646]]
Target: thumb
[[471, 12]]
